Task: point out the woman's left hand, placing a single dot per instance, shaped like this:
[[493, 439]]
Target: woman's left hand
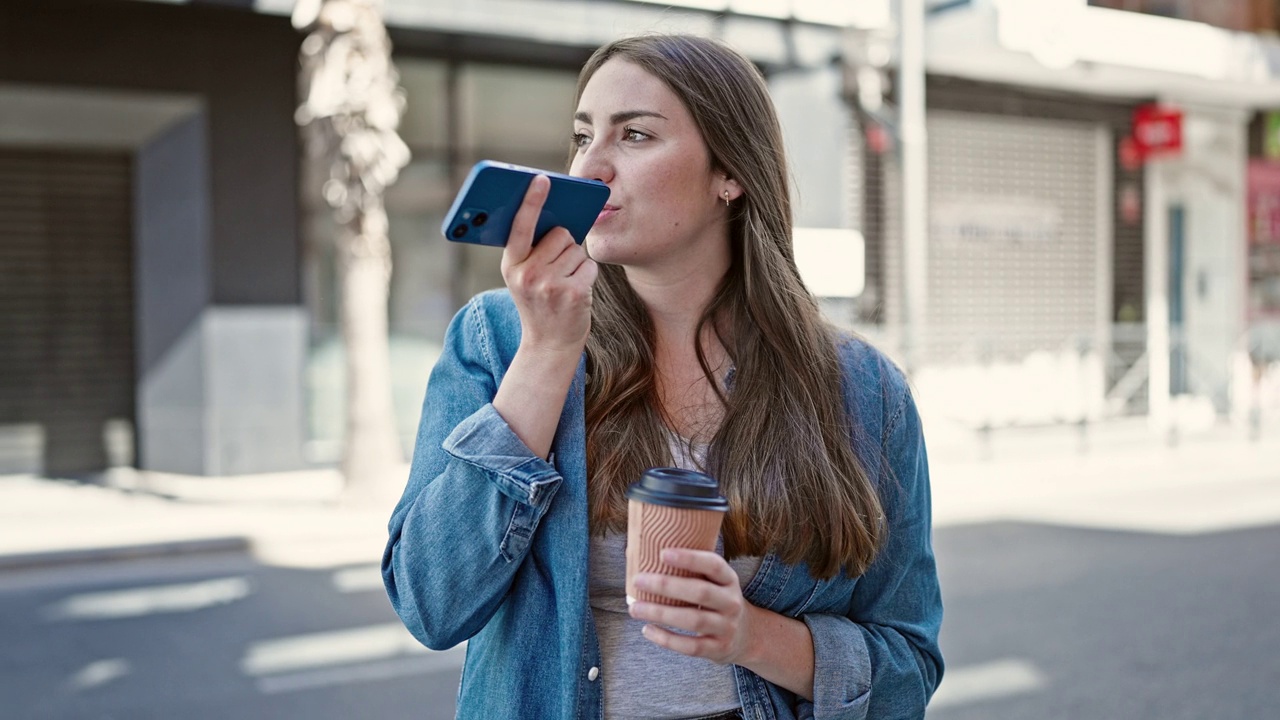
[[721, 617]]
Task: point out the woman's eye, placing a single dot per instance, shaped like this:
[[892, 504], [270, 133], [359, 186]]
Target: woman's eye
[[579, 140], [634, 135]]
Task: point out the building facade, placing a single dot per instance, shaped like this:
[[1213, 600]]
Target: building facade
[[169, 295], [150, 294], [1174, 332], [187, 323], [1034, 270]]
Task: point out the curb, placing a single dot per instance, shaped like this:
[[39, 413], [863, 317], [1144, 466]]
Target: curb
[[120, 553]]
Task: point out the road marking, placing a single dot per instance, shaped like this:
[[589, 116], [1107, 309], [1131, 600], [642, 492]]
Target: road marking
[[97, 674], [988, 681], [359, 579], [334, 647], [136, 602], [368, 672]]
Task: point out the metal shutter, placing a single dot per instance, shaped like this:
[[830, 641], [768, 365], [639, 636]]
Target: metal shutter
[[66, 303], [1013, 251]]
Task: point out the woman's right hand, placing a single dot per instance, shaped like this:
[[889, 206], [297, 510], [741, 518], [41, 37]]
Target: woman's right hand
[[551, 286], [550, 282]]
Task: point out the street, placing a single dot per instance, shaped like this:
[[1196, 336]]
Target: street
[[1050, 623], [225, 286], [211, 638], [1042, 622]]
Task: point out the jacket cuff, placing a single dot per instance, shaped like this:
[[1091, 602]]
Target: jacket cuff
[[486, 441], [841, 668]]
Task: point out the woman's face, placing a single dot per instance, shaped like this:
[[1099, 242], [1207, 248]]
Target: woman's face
[[666, 204]]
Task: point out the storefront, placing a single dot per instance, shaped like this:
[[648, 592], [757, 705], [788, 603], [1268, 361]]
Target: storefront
[[1169, 312], [1260, 385], [1019, 263], [459, 111], [1034, 264], [149, 266], [1196, 249], [213, 312], [500, 88]]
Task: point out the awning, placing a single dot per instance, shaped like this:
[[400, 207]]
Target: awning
[[1068, 46]]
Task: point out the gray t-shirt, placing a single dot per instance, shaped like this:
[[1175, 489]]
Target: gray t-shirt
[[643, 681]]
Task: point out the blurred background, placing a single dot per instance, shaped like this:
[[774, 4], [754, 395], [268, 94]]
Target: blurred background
[[1061, 217]]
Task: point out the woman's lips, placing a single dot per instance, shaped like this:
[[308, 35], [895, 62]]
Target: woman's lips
[[606, 212]]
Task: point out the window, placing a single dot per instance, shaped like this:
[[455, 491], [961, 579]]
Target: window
[[457, 114]]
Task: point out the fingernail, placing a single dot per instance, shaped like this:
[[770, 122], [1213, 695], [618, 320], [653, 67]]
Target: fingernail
[[668, 556]]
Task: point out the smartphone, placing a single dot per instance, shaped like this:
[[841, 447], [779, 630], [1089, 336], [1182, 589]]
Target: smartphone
[[487, 203]]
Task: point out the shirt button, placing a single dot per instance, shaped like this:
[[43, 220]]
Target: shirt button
[[593, 673]]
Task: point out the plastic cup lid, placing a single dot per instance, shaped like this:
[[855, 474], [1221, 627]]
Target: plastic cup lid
[[676, 487]]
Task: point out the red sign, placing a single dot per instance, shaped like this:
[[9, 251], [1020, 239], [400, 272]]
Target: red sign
[[1130, 157], [1263, 259], [1264, 202], [1157, 130], [879, 141], [1130, 203]]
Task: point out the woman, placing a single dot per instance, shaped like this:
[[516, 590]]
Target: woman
[[682, 335]]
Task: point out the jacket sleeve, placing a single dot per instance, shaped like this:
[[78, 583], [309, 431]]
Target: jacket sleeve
[[881, 660], [474, 497]]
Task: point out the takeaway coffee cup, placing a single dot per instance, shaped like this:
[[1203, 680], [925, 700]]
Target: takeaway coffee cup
[[669, 507]]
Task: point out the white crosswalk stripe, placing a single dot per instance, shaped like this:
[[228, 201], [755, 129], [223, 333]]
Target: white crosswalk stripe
[[365, 672], [365, 578], [350, 655], [98, 673], [151, 600], [977, 683]]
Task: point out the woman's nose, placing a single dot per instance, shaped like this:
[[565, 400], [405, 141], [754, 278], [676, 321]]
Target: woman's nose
[[592, 162]]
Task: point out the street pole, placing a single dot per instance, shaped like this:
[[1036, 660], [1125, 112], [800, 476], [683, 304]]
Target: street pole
[[915, 181], [1159, 360]]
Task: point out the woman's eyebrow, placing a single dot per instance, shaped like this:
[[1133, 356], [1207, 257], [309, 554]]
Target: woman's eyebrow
[[620, 117]]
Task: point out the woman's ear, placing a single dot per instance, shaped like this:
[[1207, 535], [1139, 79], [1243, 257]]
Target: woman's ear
[[730, 190]]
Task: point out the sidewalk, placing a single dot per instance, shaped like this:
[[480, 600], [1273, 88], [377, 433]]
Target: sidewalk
[[1117, 475], [296, 519], [1126, 479]]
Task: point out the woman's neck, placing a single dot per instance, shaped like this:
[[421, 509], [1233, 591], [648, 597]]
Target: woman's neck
[[678, 294], [676, 301], [675, 307]]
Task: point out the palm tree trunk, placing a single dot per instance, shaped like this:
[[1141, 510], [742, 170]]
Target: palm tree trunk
[[372, 446], [351, 107]]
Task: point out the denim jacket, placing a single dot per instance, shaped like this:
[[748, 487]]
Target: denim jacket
[[489, 544]]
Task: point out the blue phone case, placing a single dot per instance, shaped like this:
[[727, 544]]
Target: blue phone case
[[487, 203]]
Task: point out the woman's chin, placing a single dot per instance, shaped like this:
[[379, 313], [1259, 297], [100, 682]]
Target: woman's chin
[[609, 249], [599, 248]]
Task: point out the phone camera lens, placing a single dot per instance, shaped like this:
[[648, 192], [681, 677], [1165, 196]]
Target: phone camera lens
[[480, 219], [459, 231]]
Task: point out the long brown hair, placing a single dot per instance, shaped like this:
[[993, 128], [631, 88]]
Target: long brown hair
[[783, 453]]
